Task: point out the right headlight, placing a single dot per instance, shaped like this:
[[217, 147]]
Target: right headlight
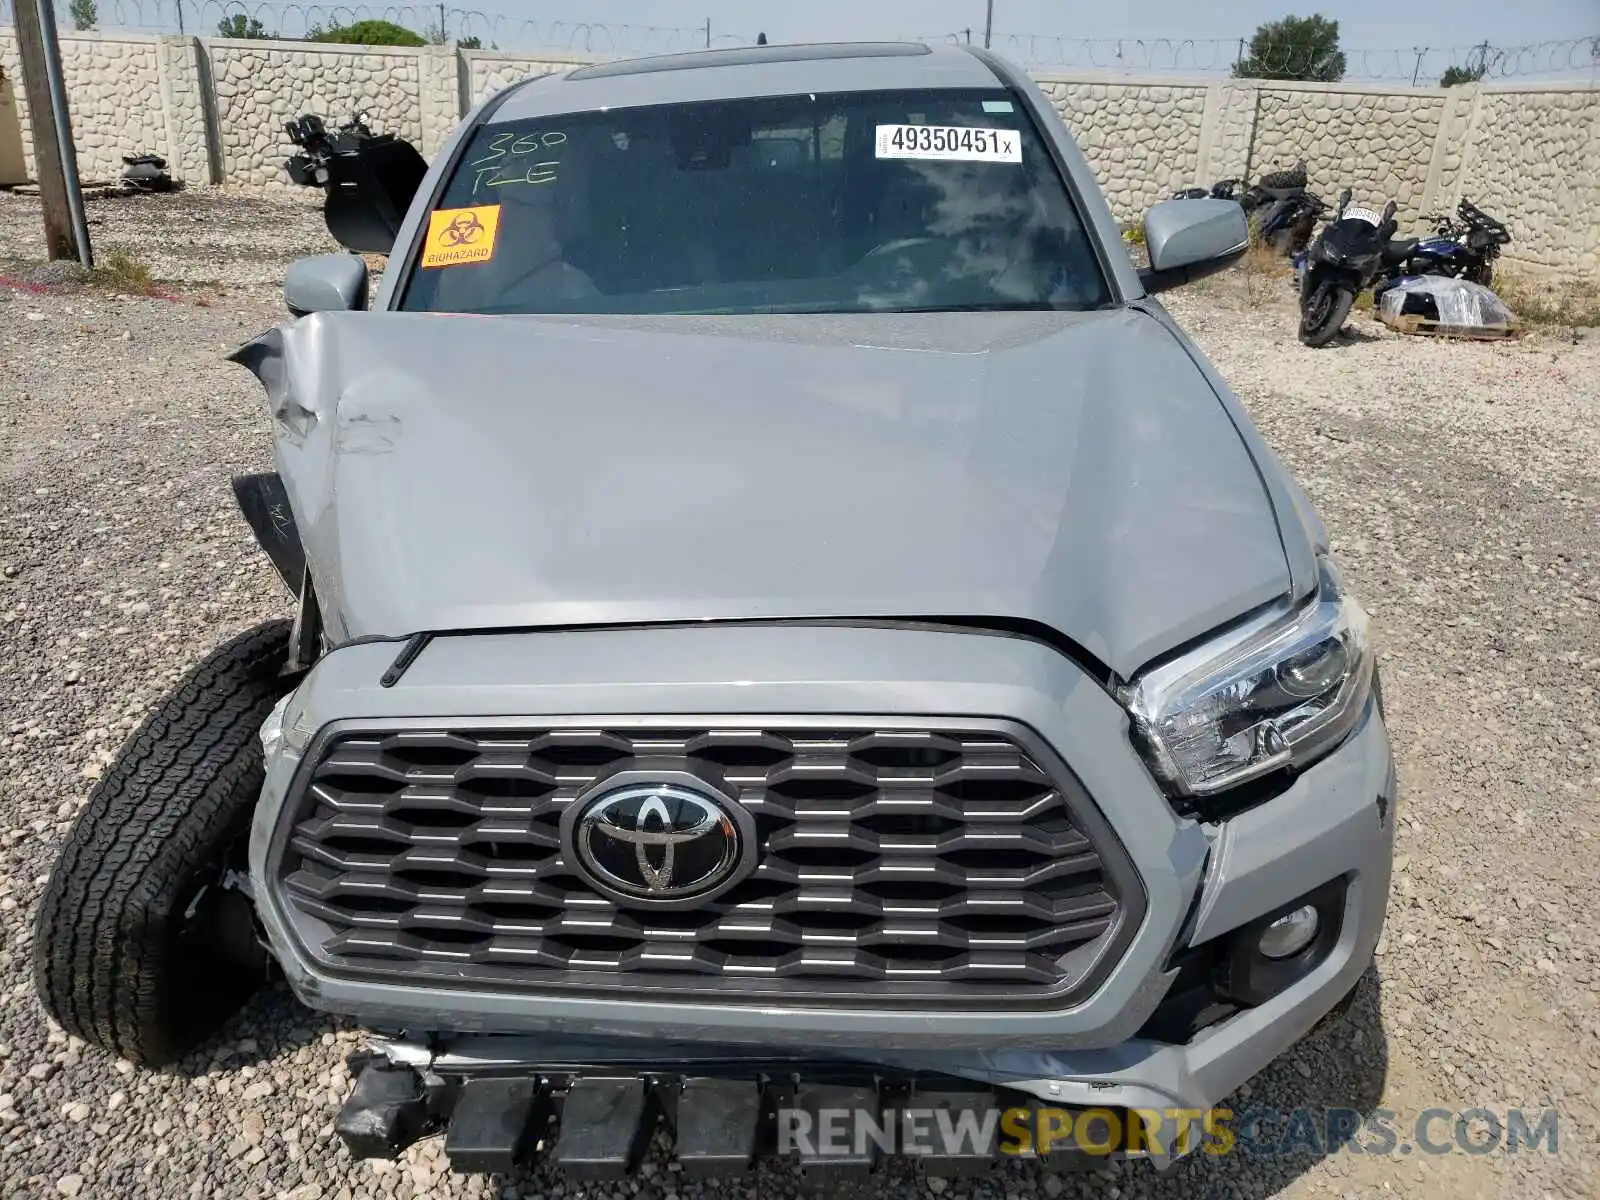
[[1279, 692]]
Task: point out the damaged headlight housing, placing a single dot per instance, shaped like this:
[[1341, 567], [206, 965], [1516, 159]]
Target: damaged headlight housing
[[1279, 692], [280, 737]]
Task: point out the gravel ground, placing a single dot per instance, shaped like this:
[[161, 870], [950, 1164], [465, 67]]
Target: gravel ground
[[233, 235], [1461, 483]]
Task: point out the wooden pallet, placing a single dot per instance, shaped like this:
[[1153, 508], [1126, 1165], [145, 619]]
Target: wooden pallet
[[1412, 323]]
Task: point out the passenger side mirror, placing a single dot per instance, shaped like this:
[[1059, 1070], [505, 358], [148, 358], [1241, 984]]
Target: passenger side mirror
[[1190, 239], [326, 283]]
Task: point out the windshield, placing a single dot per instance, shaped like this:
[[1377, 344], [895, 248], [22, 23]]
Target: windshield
[[867, 202]]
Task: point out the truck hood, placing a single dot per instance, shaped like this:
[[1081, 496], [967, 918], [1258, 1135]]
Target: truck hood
[[1068, 470]]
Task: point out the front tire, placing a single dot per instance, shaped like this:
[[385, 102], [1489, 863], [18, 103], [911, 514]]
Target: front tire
[[1323, 313], [139, 949]]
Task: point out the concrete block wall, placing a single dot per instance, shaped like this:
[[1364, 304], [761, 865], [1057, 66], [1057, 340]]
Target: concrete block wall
[[1532, 158], [1143, 140], [114, 84], [1378, 144], [488, 71], [262, 84], [215, 108]]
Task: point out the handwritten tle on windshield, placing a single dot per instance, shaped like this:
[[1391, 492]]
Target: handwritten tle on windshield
[[513, 158]]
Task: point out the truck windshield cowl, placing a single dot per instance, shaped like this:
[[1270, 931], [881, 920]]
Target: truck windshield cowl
[[892, 201]]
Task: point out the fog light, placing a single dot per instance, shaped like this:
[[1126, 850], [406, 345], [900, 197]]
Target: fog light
[[1290, 933]]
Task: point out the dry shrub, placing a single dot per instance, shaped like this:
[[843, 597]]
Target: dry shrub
[[1265, 272], [1542, 298], [121, 272]]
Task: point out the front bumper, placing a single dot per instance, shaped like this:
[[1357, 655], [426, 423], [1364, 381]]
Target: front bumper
[[1200, 881]]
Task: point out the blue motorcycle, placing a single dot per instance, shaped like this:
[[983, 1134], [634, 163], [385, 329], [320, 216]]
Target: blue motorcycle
[[1462, 247]]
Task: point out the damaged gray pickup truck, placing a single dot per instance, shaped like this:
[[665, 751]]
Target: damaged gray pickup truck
[[788, 633]]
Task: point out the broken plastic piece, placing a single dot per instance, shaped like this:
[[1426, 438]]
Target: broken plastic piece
[[385, 1113]]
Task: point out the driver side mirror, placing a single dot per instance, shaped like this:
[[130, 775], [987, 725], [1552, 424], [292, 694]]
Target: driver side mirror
[[1190, 239], [326, 283]]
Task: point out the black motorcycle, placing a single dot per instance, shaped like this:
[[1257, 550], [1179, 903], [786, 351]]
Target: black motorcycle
[[369, 178], [1281, 211], [1350, 254], [1223, 189], [1462, 247]]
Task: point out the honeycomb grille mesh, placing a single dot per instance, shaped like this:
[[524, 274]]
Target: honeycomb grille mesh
[[891, 862]]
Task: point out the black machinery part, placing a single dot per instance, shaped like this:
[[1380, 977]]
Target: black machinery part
[[597, 1122]]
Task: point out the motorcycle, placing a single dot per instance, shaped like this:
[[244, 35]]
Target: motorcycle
[[1223, 189], [1462, 247], [1350, 254], [369, 178], [1281, 211]]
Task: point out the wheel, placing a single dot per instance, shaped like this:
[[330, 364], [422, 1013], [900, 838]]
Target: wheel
[[1324, 313], [1294, 177], [139, 949]]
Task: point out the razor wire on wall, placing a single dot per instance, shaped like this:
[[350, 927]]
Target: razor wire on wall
[[1577, 58], [292, 20], [1573, 58]]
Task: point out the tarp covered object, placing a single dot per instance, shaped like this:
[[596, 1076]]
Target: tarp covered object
[[1452, 303]]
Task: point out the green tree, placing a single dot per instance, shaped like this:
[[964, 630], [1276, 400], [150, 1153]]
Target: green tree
[[83, 14], [1456, 74], [367, 33], [1294, 48], [470, 42], [240, 26]]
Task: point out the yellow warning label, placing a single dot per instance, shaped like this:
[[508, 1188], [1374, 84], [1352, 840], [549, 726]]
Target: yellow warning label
[[460, 235]]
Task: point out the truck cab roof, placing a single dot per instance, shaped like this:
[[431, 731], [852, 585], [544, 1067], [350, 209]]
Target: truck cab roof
[[701, 75]]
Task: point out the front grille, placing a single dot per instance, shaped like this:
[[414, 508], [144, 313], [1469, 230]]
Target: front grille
[[892, 864]]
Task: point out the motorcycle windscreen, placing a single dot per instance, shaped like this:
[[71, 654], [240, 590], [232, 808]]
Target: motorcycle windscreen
[[369, 192]]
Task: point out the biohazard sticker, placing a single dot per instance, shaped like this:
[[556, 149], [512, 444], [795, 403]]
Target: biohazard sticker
[[460, 235]]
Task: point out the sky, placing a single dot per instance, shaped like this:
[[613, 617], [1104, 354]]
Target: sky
[[1382, 24]]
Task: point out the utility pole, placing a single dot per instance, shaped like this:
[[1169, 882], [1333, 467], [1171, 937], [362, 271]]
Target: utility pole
[[708, 33], [443, 36], [1418, 71], [66, 234], [988, 26], [179, 7]]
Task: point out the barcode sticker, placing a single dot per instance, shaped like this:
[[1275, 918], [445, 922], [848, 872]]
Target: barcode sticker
[[949, 143]]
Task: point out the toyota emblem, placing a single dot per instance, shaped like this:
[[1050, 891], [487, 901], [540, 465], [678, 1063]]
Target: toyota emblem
[[660, 843]]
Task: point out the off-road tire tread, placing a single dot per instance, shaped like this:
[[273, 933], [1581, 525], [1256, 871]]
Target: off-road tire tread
[[1294, 177], [181, 790]]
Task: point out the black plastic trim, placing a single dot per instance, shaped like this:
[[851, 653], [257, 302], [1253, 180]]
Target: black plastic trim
[[977, 625], [1122, 878], [415, 645], [264, 501], [1160, 281], [717, 1117]]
